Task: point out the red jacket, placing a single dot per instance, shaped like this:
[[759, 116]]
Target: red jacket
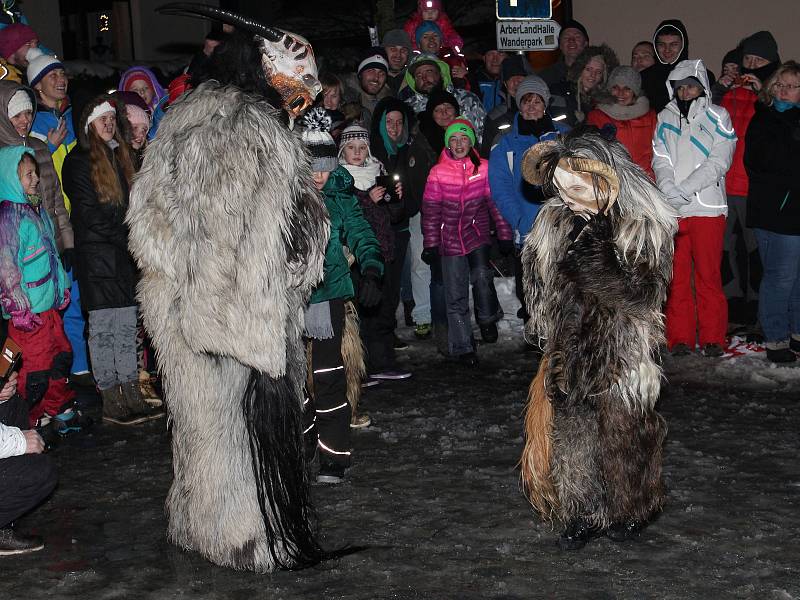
[[635, 133], [740, 103], [451, 37], [456, 207]]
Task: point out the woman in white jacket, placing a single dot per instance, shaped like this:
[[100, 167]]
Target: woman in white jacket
[[693, 146]]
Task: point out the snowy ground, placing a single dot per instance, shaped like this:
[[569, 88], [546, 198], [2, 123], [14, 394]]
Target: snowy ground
[[434, 498]]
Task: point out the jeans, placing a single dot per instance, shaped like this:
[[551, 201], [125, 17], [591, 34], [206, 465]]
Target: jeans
[[112, 346], [458, 273], [779, 294]]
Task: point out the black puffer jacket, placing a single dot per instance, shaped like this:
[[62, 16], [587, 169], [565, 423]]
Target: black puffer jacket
[[771, 157], [105, 269]]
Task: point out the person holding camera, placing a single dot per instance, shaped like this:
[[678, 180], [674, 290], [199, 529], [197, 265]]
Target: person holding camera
[[27, 476], [759, 60], [380, 197], [455, 223]]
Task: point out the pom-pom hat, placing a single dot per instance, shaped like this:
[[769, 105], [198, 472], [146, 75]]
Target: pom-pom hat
[[317, 139]]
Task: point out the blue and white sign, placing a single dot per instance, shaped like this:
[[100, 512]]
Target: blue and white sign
[[524, 9]]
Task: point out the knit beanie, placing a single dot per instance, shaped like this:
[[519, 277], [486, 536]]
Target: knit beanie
[[353, 132], [98, 111], [428, 4], [317, 139], [19, 102], [441, 96], [626, 77], [13, 37], [41, 66], [137, 77], [397, 37], [424, 28], [512, 66], [533, 84], [761, 44], [573, 24], [733, 56], [375, 59], [137, 116], [460, 125]]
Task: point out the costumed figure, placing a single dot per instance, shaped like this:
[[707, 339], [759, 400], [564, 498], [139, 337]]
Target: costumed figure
[[597, 265], [230, 235]]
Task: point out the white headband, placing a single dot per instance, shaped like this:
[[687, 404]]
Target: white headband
[[100, 109]]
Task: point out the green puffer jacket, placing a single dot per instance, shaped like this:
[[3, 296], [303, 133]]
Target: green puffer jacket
[[348, 228]]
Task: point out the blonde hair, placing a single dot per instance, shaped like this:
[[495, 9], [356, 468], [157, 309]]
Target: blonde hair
[[791, 67]]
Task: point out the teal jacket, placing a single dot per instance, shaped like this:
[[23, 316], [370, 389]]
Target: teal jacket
[[32, 279], [348, 228]]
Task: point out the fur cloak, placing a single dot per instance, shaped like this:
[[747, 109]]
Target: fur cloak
[[593, 436], [230, 235]]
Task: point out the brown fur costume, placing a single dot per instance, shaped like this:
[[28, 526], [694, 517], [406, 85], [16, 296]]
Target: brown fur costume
[[595, 291]]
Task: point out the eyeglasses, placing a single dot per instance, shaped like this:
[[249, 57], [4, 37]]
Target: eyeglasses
[[785, 86]]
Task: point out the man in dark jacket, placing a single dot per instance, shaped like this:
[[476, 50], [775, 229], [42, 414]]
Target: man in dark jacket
[[572, 39], [672, 46], [487, 80], [499, 120]]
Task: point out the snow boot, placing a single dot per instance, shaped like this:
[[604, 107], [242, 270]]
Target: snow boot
[[489, 333], [135, 403], [116, 411]]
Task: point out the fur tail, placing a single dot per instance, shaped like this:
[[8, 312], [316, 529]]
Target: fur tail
[[274, 420], [353, 356], [535, 462]]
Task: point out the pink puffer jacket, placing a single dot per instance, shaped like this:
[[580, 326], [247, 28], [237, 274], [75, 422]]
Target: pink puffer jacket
[[456, 207]]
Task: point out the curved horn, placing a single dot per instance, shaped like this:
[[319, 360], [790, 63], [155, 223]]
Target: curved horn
[[588, 165], [533, 162], [203, 11]]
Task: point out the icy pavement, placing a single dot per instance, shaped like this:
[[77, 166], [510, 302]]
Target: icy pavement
[[434, 499]]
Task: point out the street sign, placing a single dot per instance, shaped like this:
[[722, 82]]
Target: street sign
[[527, 35], [523, 9]]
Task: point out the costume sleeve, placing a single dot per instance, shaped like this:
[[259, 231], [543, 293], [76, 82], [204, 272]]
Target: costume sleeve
[[359, 235], [501, 182], [12, 297], [719, 157], [432, 211]]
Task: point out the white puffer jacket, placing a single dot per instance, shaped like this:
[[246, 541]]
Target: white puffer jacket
[[691, 156]]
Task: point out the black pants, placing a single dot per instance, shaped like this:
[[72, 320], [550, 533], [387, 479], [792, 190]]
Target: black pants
[[327, 412], [379, 322], [523, 312], [25, 481]]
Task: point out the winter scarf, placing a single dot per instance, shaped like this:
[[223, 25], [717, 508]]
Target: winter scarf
[[626, 113], [536, 128], [364, 176]]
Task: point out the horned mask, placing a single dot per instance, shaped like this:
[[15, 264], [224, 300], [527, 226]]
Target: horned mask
[[586, 186], [287, 58]]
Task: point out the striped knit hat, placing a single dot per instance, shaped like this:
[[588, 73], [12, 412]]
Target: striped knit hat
[[317, 139]]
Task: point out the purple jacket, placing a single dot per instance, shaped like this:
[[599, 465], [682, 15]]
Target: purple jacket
[[456, 207]]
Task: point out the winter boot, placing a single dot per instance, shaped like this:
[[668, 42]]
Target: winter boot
[[115, 410], [489, 333], [149, 394], [132, 397], [12, 542]]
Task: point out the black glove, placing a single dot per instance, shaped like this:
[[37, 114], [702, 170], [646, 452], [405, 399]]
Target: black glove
[[67, 258], [506, 247], [369, 290], [429, 255]]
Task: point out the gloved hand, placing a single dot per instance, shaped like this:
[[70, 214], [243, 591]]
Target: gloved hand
[[676, 197], [67, 258], [506, 247], [429, 255], [25, 320], [369, 290]]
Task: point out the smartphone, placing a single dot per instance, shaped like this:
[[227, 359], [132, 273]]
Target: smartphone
[[10, 356], [390, 183]]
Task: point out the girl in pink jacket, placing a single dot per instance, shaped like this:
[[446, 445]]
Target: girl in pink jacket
[[456, 207]]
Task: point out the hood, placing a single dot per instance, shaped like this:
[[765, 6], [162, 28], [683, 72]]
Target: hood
[[339, 181], [603, 51], [10, 186], [149, 75], [447, 81], [9, 135], [673, 24], [377, 130], [689, 68]]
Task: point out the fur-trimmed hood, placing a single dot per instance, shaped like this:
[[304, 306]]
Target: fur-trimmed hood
[[9, 135], [603, 51]]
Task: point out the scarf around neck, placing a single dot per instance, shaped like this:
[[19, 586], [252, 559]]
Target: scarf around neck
[[364, 176]]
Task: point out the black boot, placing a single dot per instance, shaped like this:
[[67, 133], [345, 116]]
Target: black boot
[[12, 542], [489, 333], [575, 535], [622, 532]]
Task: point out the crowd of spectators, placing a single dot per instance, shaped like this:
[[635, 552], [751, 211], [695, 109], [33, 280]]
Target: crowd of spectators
[[418, 155]]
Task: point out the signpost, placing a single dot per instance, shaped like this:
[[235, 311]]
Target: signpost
[[525, 36], [523, 9]]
